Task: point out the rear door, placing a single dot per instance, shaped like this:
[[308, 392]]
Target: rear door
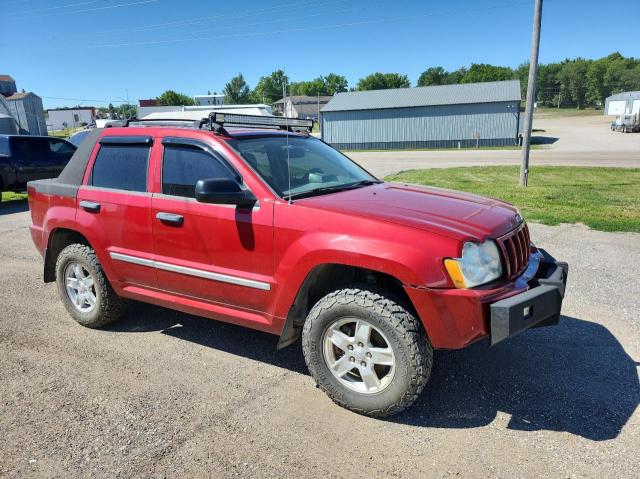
[[114, 209], [216, 253]]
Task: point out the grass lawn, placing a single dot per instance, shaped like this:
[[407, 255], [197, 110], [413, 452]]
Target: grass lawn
[[564, 112], [10, 195], [64, 134], [606, 199]]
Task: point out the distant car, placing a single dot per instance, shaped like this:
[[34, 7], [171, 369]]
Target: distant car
[[77, 138], [27, 158]]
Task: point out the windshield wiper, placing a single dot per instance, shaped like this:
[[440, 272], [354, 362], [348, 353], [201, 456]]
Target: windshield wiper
[[331, 189]]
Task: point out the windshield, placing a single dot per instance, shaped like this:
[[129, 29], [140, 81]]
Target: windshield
[[315, 167]]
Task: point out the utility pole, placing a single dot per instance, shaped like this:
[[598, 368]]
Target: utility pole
[[531, 93]]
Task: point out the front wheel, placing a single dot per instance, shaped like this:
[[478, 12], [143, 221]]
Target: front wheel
[[367, 351]]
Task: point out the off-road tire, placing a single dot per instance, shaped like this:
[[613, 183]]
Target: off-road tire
[[109, 306], [407, 338]]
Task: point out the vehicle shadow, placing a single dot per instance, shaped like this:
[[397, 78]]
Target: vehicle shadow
[[543, 140], [225, 337], [8, 207], [575, 377]]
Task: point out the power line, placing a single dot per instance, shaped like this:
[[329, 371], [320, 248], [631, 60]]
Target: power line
[[281, 31], [194, 21], [83, 99], [85, 10], [34, 10]]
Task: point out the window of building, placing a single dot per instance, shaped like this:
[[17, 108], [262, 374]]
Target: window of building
[[121, 167], [184, 166]]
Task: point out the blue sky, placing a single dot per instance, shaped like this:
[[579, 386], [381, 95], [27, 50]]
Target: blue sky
[[105, 49]]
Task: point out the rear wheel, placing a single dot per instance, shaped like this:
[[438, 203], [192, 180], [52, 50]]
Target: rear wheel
[[367, 351], [84, 289]]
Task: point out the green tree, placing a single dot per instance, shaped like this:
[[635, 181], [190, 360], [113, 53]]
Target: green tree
[[383, 81], [173, 98], [482, 72], [236, 91], [597, 89], [323, 85], [433, 76], [269, 88], [335, 83], [547, 84], [573, 81]]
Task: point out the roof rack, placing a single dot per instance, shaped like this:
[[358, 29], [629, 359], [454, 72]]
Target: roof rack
[[218, 120], [184, 122]]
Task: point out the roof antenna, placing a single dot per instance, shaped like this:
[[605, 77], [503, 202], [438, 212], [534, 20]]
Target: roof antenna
[[286, 120]]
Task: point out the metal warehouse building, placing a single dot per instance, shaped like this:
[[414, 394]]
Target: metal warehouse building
[[627, 102], [444, 116]]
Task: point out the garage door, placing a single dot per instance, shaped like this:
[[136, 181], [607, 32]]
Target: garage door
[[616, 107], [636, 107]]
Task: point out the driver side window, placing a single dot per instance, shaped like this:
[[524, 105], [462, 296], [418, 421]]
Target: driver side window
[[184, 166]]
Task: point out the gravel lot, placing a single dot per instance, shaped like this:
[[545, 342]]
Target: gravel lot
[[164, 394]]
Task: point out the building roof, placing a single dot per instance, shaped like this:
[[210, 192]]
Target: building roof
[[20, 95], [465, 93], [74, 108], [6, 78], [625, 95], [302, 99]]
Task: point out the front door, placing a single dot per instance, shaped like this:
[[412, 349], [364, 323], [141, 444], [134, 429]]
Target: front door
[[216, 253]]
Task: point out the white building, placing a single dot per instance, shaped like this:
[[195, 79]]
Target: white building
[[208, 100], [61, 118]]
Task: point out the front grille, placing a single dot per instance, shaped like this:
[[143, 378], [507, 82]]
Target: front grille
[[515, 250]]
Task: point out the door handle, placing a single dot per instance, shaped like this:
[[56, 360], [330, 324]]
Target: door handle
[[90, 206], [170, 218]]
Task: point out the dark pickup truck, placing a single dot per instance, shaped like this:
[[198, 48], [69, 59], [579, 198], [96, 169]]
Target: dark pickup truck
[[26, 158]]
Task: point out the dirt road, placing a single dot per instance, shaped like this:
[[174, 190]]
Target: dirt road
[[164, 394]]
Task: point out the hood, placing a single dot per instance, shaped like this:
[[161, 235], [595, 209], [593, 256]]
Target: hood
[[446, 212]]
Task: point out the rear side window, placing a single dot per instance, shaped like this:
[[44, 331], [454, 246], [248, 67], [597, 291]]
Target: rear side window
[[62, 148], [121, 167], [30, 148], [4, 146], [184, 166]]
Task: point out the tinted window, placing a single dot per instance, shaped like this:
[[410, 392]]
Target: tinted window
[[4, 146], [62, 148], [183, 167], [29, 148], [122, 167]]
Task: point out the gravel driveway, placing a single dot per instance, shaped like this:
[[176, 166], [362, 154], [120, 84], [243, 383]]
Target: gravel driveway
[[164, 394]]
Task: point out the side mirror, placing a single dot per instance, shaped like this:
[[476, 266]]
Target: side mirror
[[223, 191]]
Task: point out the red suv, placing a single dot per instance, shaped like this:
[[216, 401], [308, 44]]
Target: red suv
[[248, 220]]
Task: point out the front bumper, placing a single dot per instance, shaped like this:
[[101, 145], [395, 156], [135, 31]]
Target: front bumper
[[455, 318], [539, 306]]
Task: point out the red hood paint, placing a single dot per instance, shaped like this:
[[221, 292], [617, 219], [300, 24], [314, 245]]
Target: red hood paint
[[451, 213]]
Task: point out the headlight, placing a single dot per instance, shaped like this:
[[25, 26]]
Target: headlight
[[479, 264]]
